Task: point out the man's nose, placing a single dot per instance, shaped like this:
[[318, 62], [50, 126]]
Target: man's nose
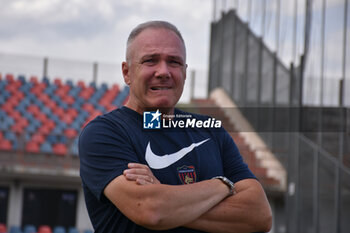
[[163, 70]]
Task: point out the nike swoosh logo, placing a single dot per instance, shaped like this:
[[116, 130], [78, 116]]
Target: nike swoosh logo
[[159, 162]]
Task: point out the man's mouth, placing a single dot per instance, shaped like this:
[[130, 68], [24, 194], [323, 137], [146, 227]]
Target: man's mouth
[[160, 88]]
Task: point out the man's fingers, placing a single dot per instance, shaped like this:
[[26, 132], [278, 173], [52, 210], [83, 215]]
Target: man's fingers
[[138, 165], [142, 172]]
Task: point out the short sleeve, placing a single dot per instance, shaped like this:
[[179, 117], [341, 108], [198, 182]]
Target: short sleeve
[[104, 150], [234, 167]]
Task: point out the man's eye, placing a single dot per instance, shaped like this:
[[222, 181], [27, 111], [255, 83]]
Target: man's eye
[[174, 62], [149, 61]]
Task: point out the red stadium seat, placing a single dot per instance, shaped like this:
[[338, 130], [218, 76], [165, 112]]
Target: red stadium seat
[[58, 82], [59, 149], [34, 80], [70, 133], [92, 116], [68, 99], [16, 116], [44, 98], [17, 128], [44, 229], [33, 109], [67, 119], [3, 228], [73, 112], [38, 138], [81, 84], [32, 147], [44, 129], [51, 105], [59, 112], [5, 144], [50, 124], [89, 107], [10, 78], [41, 117]]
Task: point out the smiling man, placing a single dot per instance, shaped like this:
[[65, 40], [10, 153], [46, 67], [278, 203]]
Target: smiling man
[[173, 180]]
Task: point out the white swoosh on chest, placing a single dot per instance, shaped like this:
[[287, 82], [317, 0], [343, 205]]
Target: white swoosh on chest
[[159, 162]]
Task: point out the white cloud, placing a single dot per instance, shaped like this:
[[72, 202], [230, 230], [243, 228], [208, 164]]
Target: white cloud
[[95, 30]]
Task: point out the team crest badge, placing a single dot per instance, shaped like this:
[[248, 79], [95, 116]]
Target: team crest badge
[[187, 174]]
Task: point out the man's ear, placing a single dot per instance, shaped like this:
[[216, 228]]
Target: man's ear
[[185, 74], [125, 70]]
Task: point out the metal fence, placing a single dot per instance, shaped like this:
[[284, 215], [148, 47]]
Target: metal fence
[[318, 29], [311, 142]]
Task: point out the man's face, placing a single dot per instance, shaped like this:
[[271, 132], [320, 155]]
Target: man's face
[[155, 71]]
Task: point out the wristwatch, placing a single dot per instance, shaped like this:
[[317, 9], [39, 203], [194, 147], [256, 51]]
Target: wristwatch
[[228, 182]]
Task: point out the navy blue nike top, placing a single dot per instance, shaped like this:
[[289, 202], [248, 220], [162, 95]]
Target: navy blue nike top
[[111, 141]]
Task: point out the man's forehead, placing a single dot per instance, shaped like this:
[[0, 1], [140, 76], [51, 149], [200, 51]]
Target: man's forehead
[[152, 40]]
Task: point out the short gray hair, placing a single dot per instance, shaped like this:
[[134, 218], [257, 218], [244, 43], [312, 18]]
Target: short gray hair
[[157, 24]]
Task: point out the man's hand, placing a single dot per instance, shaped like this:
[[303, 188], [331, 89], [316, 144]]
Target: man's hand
[[140, 173], [232, 214]]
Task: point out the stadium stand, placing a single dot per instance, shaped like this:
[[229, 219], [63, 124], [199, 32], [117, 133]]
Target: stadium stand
[[46, 117], [40, 121]]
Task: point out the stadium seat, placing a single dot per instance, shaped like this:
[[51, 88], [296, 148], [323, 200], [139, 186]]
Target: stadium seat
[[15, 229], [58, 82], [73, 230], [29, 229], [38, 138], [3, 228], [46, 148], [70, 133], [44, 229], [59, 229], [32, 147], [44, 129], [10, 136], [17, 128], [59, 149]]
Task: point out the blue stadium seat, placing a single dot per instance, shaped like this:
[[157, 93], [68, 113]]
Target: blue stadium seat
[[25, 88], [74, 91], [31, 128], [46, 147], [46, 80], [73, 230], [51, 138], [22, 79], [2, 100], [50, 90], [59, 229], [118, 101], [55, 118], [10, 136], [15, 229], [74, 147], [47, 111], [62, 139], [88, 231], [6, 123], [69, 83], [29, 229], [4, 93], [26, 136]]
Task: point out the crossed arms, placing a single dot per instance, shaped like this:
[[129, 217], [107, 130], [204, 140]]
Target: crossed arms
[[204, 205]]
